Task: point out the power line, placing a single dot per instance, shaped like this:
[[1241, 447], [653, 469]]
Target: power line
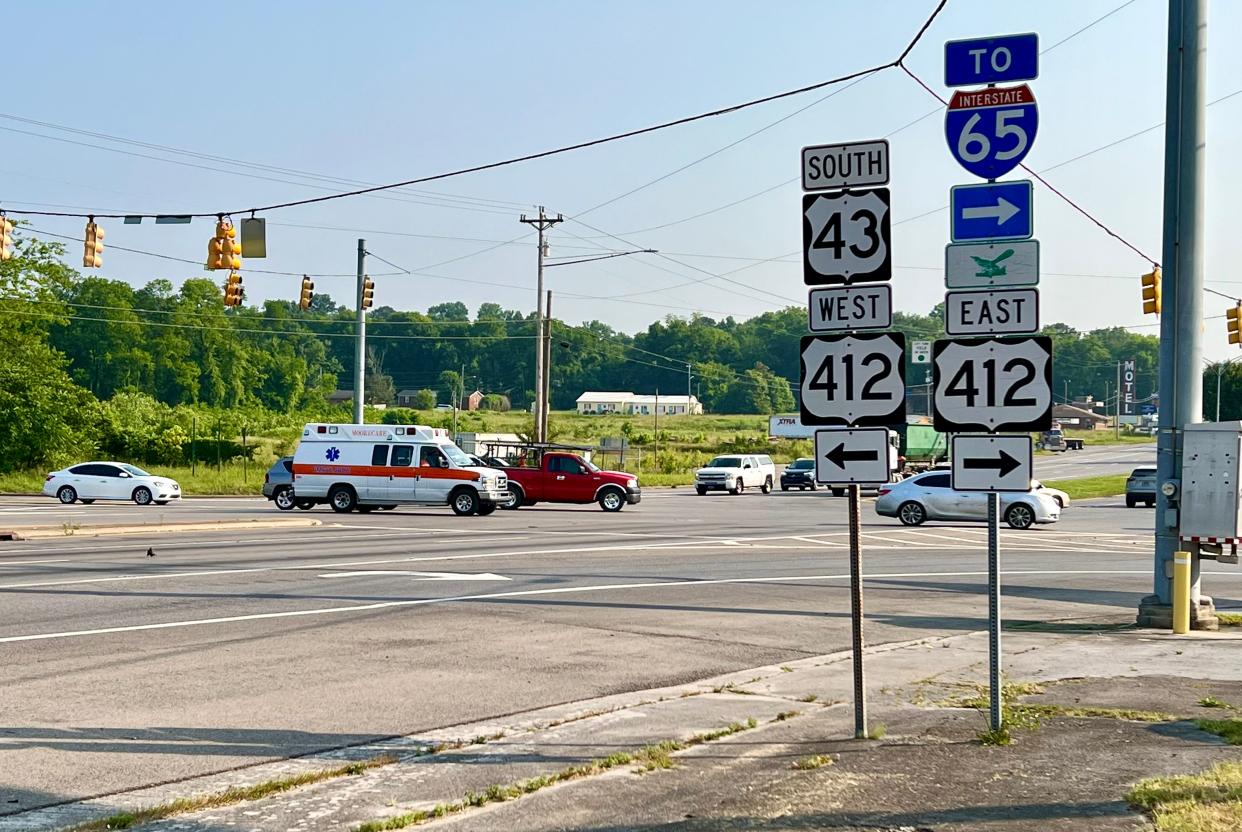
[[558, 150]]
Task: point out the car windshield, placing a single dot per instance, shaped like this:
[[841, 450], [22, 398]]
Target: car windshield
[[725, 462], [590, 466], [456, 455], [135, 470], [802, 465]]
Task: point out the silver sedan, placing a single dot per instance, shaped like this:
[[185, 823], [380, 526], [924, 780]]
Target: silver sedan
[[928, 497]]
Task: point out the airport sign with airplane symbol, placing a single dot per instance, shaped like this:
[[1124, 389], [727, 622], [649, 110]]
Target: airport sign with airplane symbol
[[997, 264]]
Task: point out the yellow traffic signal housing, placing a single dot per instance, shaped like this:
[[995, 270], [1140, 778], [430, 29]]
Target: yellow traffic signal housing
[[308, 293], [92, 255], [1151, 292], [6, 237], [368, 292], [233, 290], [224, 250], [1234, 321]]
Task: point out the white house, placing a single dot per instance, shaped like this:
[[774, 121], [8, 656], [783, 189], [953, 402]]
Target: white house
[[633, 404]]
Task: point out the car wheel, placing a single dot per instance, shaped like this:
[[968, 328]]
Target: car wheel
[[611, 500], [142, 495], [486, 509], [1151, 503], [767, 486], [66, 494], [516, 496], [1131, 502], [283, 498], [813, 487], [342, 499], [912, 514], [366, 509], [786, 488], [739, 488], [1060, 502], [464, 502], [305, 505], [1020, 516], [702, 492], [838, 492]]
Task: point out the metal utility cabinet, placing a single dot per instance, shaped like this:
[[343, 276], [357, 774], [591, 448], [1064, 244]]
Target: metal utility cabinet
[[1210, 481]]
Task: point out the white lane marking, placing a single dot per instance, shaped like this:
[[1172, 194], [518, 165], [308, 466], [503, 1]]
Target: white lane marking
[[528, 593], [819, 543], [422, 576], [319, 538]]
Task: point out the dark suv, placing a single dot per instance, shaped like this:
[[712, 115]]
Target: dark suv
[[1141, 487], [799, 474]]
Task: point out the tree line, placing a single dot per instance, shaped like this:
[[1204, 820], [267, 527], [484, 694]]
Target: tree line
[[82, 352]]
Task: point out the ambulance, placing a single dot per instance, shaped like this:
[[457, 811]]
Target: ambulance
[[365, 467]]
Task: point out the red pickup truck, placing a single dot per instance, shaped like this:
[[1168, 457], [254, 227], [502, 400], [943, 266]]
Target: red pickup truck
[[563, 477]]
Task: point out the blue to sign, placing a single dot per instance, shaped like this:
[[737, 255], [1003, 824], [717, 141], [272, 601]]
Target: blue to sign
[[997, 60], [992, 211], [990, 131]]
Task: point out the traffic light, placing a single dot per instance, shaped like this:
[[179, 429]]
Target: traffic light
[[1151, 292], [6, 237], [233, 290], [308, 292], [1234, 321], [368, 292], [92, 256], [223, 250]]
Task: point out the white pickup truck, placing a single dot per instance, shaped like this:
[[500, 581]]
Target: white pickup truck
[[735, 473]]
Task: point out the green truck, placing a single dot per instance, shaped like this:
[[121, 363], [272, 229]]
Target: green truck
[[922, 447]]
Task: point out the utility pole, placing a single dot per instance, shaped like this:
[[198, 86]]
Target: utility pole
[[460, 397], [657, 426], [1181, 350], [542, 224], [360, 349], [545, 395], [687, 388]]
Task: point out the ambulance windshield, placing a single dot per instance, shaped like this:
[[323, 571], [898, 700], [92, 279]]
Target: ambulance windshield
[[456, 455]]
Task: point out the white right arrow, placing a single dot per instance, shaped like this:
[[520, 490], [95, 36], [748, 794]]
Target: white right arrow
[[1002, 211]]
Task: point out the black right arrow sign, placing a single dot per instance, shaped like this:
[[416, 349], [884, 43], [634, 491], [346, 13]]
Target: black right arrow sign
[[1002, 465]]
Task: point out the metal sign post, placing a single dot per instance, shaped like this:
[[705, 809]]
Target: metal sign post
[[1000, 382], [856, 612], [854, 381], [994, 619]]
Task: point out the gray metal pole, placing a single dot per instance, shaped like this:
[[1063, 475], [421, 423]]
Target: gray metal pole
[[1220, 371], [360, 348], [856, 612], [539, 435], [1117, 408], [994, 614], [1181, 380]]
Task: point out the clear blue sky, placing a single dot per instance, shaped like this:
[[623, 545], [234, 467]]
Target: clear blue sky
[[382, 91]]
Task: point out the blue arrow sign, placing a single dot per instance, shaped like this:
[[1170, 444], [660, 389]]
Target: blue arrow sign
[[992, 211], [997, 60]]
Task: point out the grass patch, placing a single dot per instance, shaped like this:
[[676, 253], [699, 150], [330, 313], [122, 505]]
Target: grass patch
[[1086, 487], [1229, 619], [1066, 627], [785, 715], [237, 794], [1213, 702], [1092, 712], [647, 758], [995, 736], [1207, 802], [812, 763], [877, 731], [1228, 729], [810, 697]]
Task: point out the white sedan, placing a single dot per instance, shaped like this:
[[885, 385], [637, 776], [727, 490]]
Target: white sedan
[[93, 481]]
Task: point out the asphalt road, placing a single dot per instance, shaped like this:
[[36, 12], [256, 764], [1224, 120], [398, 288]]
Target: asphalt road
[[231, 648]]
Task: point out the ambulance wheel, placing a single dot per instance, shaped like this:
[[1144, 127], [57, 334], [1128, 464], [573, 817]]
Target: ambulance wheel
[[464, 501], [486, 509], [342, 499]]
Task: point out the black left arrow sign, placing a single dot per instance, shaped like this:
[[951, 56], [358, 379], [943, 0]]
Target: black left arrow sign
[[838, 456], [1003, 464]]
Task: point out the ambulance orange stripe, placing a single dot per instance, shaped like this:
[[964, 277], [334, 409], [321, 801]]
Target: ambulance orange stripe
[[401, 471]]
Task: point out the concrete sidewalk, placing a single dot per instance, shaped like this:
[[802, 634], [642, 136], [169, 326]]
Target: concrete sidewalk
[[928, 771]]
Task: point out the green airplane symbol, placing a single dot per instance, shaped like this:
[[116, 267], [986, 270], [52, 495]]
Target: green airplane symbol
[[992, 268]]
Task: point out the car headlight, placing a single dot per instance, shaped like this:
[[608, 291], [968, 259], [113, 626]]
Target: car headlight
[[631, 483]]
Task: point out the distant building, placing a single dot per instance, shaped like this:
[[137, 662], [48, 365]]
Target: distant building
[[1077, 417], [405, 398], [474, 400], [340, 396], [635, 404]]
